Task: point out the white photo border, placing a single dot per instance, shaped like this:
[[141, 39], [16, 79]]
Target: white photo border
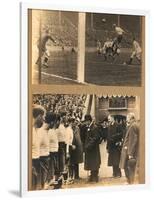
[[24, 95]]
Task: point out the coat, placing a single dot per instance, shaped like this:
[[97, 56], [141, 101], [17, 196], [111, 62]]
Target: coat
[[77, 153], [92, 151], [83, 130], [130, 144], [114, 143]]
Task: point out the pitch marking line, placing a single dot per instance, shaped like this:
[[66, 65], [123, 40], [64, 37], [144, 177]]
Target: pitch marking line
[[61, 77]]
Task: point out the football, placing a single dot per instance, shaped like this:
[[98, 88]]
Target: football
[[103, 20], [118, 51]]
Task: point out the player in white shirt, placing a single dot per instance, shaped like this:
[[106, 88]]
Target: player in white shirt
[[116, 47], [107, 48], [38, 114], [60, 132], [44, 154], [53, 149], [61, 142], [119, 33], [137, 52], [99, 47], [69, 147], [68, 137]]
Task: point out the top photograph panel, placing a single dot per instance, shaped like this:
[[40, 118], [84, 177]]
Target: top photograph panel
[[86, 48]]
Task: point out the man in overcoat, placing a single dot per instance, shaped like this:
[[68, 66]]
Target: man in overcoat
[[129, 154], [92, 151], [114, 145]]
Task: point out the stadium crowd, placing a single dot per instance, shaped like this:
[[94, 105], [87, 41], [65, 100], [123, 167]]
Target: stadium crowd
[[70, 105], [61, 140], [65, 34]]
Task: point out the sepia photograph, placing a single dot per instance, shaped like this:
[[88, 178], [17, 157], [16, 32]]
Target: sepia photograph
[[84, 140], [83, 99], [86, 48]]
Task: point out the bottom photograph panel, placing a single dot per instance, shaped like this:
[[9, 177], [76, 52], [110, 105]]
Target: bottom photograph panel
[[83, 141]]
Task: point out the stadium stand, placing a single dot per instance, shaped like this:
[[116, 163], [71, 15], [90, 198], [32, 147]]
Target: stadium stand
[[71, 105], [64, 28]]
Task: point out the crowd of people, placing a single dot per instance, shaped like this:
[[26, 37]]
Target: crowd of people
[[70, 105], [65, 34], [62, 139]]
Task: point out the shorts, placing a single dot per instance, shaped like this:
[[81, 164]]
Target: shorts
[[136, 54]]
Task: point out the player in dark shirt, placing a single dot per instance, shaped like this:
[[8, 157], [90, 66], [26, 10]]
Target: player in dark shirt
[[43, 53]]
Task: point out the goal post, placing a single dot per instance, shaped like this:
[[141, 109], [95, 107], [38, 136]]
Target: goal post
[[81, 47]]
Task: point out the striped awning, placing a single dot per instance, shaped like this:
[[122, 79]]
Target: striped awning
[[109, 96]]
